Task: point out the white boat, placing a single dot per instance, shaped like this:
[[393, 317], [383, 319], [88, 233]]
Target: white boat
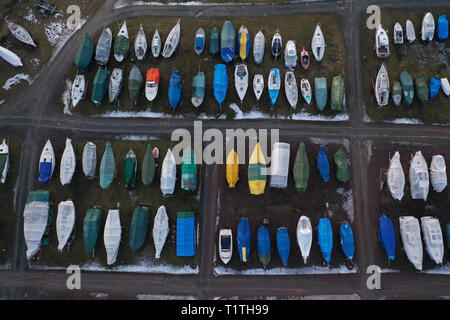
[[318, 43], [111, 235], [432, 236], [277, 44], [410, 233], [115, 84], [123, 32], [160, 230], [103, 49], [258, 85], [305, 87], [172, 41], [438, 173], [290, 55], [78, 89], [89, 160], [65, 221], [10, 57], [258, 47], [290, 88], [381, 43], [140, 44], [418, 177], [241, 80], [21, 34], [199, 41], [46, 163], [156, 44], [382, 86], [428, 27], [304, 236], [445, 85], [396, 177], [225, 245], [410, 33], [35, 218], [4, 154], [168, 173], [67, 166], [398, 33]]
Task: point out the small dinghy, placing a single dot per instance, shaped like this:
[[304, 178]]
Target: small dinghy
[[274, 84], [318, 43], [111, 235], [346, 239], [188, 170], [291, 89], [168, 173], [258, 85], [418, 177], [65, 222], [320, 92], [220, 83], [227, 42], [91, 229], [35, 219], [410, 233], [121, 43], [396, 177], [442, 27], [199, 41], [279, 168], [300, 170], [283, 245], [140, 44], [428, 27], [214, 41], [160, 230], [263, 245], [323, 165], [89, 160], [78, 89], [382, 86], [198, 89], [21, 33], [304, 237], [46, 163], [258, 47], [130, 169], [277, 44], [396, 92], [256, 171], [225, 245], [138, 228], [432, 236], [4, 160], [290, 55], [152, 83], [174, 89], [438, 173], [325, 236], [243, 43], [241, 80], [304, 58], [410, 33], [445, 85], [306, 90], [381, 43], [107, 167], [103, 49], [434, 86], [172, 41], [10, 57], [398, 34], [387, 236], [148, 166], [68, 164], [156, 44], [115, 84], [135, 83], [243, 239], [232, 169]]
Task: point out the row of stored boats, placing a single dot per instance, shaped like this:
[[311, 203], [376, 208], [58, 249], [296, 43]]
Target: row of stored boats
[[21, 34]]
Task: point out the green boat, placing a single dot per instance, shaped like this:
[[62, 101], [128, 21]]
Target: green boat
[[448, 236], [148, 167], [422, 89], [407, 87], [188, 170], [129, 169], [107, 167], [138, 228], [342, 169], [214, 41], [301, 169], [135, 83], [100, 85], [121, 43], [91, 228], [84, 54], [337, 93]]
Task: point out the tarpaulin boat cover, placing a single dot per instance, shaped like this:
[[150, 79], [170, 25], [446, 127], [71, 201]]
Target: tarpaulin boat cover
[[258, 47], [160, 230], [148, 166], [387, 236], [323, 165], [214, 42], [198, 85], [220, 83], [422, 89], [279, 169], [186, 239], [337, 93], [232, 169], [396, 177], [35, 217], [418, 177], [135, 83], [68, 163], [129, 169], [175, 89], [243, 239], [263, 245], [199, 43], [442, 27], [121, 45], [45, 172], [257, 171], [168, 173], [227, 42], [407, 87], [188, 170], [100, 85], [435, 85], [438, 173], [342, 170], [346, 238], [103, 49], [91, 228], [283, 245], [138, 228], [112, 235], [244, 43], [325, 235], [65, 222], [89, 159], [301, 169], [320, 92], [107, 167], [84, 54]]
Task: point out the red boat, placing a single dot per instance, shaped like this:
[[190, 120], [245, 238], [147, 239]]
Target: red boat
[[304, 58]]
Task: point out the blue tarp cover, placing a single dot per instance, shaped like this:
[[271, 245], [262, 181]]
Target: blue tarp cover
[[276, 47], [220, 83], [45, 172], [263, 241], [323, 165], [185, 234], [243, 237], [347, 243], [434, 86], [199, 42], [325, 235], [387, 236], [174, 89], [283, 245], [442, 27]]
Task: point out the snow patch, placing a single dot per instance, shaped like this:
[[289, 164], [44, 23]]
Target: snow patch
[[99, 295], [35, 62], [445, 269], [5, 266], [404, 121], [318, 117], [137, 138], [15, 80], [139, 114], [347, 204], [323, 141], [55, 31], [221, 270], [389, 270], [66, 97], [163, 297], [31, 17], [204, 116], [2, 101]]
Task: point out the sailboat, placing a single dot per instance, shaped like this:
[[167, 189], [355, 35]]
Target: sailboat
[[111, 235], [103, 49], [258, 47], [232, 169], [199, 41], [277, 44], [304, 58], [258, 85], [160, 230], [432, 236], [418, 177], [10, 57], [304, 236], [220, 83], [172, 41], [140, 44], [21, 33], [156, 44], [78, 89], [263, 245], [290, 88], [387, 236], [65, 222], [318, 43], [89, 160], [283, 245], [382, 86], [346, 239], [168, 173], [396, 177], [148, 166], [198, 89], [274, 84], [68, 164], [325, 236], [107, 167], [130, 169], [241, 80], [138, 228], [46, 163], [115, 84], [91, 229], [121, 43], [35, 219], [410, 233], [243, 43]]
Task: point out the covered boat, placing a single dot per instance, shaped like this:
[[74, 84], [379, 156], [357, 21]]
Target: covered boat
[[160, 230], [241, 80], [325, 236], [10, 57], [111, 235], [301, 169], [323, 165], [346, 239], [130, 169], [121, 43], [410, 32], [438, 173], [432, 236], [186, 238], [258, 85], [140, 44], [107, 167], [274, 84], [257, 171], [152, 83], [290, 55], [35, 217], [320, 92], [442, 27], [422, 89], [46, 163], [174, 89], [407, 87], [156, 44], [396, 92], [396, 177], [138, 228], [227, 42], [283, 245], [258, 47], [434, 86], [318, 43], [115, 84], [225, 245], [198, 89], [412, 244], [199, 41], [398, 33], [65, 222], [188, 170], [4, 160], [342, 170], [148, 167], [304, 237], [428, 26], [220, 83], [172, 41], [89, 160], [232, 169], [305, 87], [91, 228], [277, 44], [135, 83], [381, 42], [387, 236], [21, 33], [279, 168], [103, 49], [243, 43], [304, 58], [168, 173], [418, 177], [68, 163], [382, 86], [100, 86], [214, 41], [337, 93], [448, 236], [445, 85], [84, 54], [78, 89], [291, 89], [243, 239], [263, 245]]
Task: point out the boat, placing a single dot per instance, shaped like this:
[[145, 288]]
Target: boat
[[89, 160], [121, 43], [21, 34], [258, 47], [115, 84], [84, 54], [65, 222], [283, 245], [243, 43], [35, 219], [100, 86], [68, 163], [448, 236], [111, 235], [300, 170], [198, 89], [4, 160], [396, 92], [398, 33], [325, 236], [274, 84], [320, 92], [103, 49], [442, 27], [346, 239], [155, 152], [323, 165], [168, 173], [227, 42], [258, 85], [135, 83], [279, 168], [46, 163], [290, 55], [156, 44], [445, 85], [318, 44], [290, 88], [214, 42], [225, 245], [382, 86], [432, 236], [341, 162], [428, 27], [241, 80], [138, 228], [186, 238], [263, 245], [407, 88], [188, 170], [422, 89], [304, 237], [438, 173], [256, 171], [304, 58], [381, 43], [152, 83], [91, 228], [220, 83], [172, 41], [387, 236], [396, 177], [107, 167], [174, 89], [140, 44], [148, 167], [232, 169], [434, 86], [243, 239], [78, 89], [305, 87], [277, 44], [199, 42], [412, 244], [337, 93], [410, 33], [130, 169], [418, 177], [160, 230], [10, 57]]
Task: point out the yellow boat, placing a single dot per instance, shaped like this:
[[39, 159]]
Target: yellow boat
[[232, 169], [257, 171]]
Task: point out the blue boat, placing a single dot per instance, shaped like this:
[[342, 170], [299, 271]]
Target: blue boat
[[434, 86], [347, 242], [283, 245], [274, 84], [175, 89], [442, 27], [220, 83], [243, 239], [263, 245], [387, 236], [325, 234], [227, 42], [323, 165]]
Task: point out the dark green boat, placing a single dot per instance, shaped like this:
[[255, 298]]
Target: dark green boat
[[121, 43], [135, 83], [342, 169], [91, 229], [337, 93], [301, 169], [84, 54], [407, 87], [188, 170], [148, 167], [129, 169], [214, 41], [100, 86], [422, 89], [138, 228]]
